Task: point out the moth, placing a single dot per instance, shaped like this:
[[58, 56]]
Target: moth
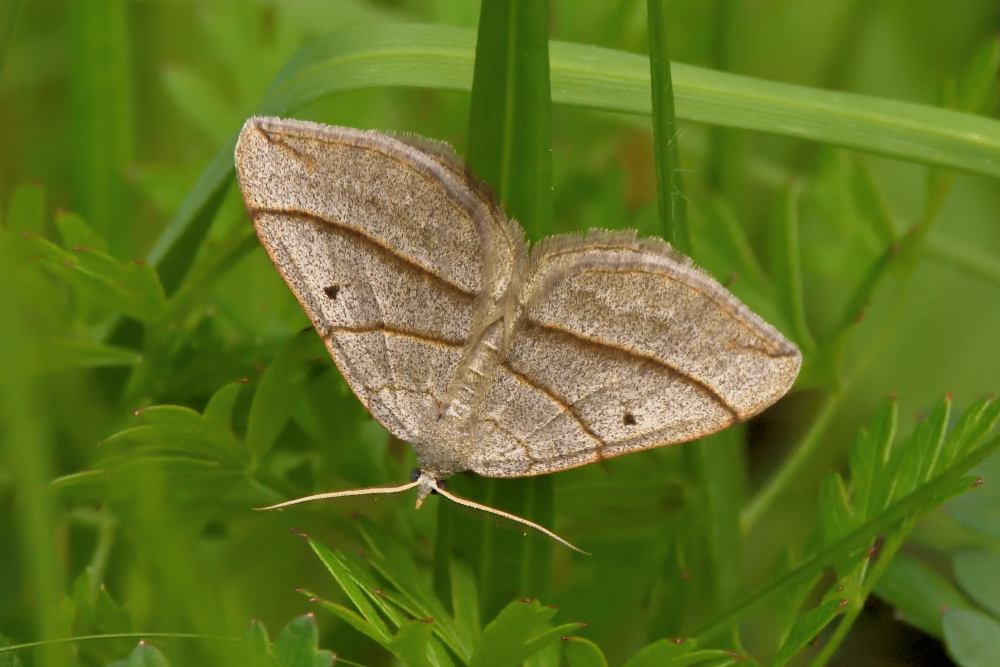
[[484, 354]]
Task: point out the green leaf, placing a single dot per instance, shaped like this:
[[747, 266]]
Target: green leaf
[[580, 652], [441, 57], [833, 512], [978, 573], [669, 189], [172, 428], [26, 210], [129, 287], [354, 620], [518, 631], [465, 602], [662, 652], [869, 458], [948, 482], [146, 655], [919, 594], [786, 268], [409, 644], [219, 411], [931, 438], [280, 386], [74, 232], [100, 143], [396, 564], [69, 353], [297, 644], [258, 646], [335, 564], [972, 638], [510, 135]]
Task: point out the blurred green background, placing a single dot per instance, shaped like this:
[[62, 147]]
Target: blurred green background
[[110, 110]]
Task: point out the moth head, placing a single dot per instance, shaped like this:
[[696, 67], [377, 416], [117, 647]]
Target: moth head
[[426, 484]]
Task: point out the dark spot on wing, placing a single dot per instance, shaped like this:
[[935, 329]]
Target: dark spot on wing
[[628, 419], [332, 291]]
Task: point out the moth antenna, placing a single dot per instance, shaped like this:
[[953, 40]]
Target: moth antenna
[[372, 490], [507, 515]]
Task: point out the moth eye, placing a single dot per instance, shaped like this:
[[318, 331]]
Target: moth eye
[[415, 474], [332, 291], [628, 419]]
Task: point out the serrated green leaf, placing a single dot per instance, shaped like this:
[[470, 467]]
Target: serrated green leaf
[[354, 620], [513, 635], [978, 573], [146, 655], [280, 386], [972, 427], [26, 210], [297, 643], [396, 564], [580, 652], [949, 482], [219, 410], [258, 646], [806, 628], [834, 511], [74, 232], [786, 269], [869, 458], [661, 652], [409, 644], [127, 287], [173, 428], [931, 438], [340, 570], [971, 637], [862, 460]]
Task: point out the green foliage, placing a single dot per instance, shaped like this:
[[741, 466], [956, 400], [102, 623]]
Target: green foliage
[[146, 405]]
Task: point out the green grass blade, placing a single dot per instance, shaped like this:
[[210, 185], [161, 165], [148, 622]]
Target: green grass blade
[[101, 141], [669, 192], [510, 133], [442, 57], [510, 148]]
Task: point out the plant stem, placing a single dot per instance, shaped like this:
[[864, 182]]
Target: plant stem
[[669, 189]]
